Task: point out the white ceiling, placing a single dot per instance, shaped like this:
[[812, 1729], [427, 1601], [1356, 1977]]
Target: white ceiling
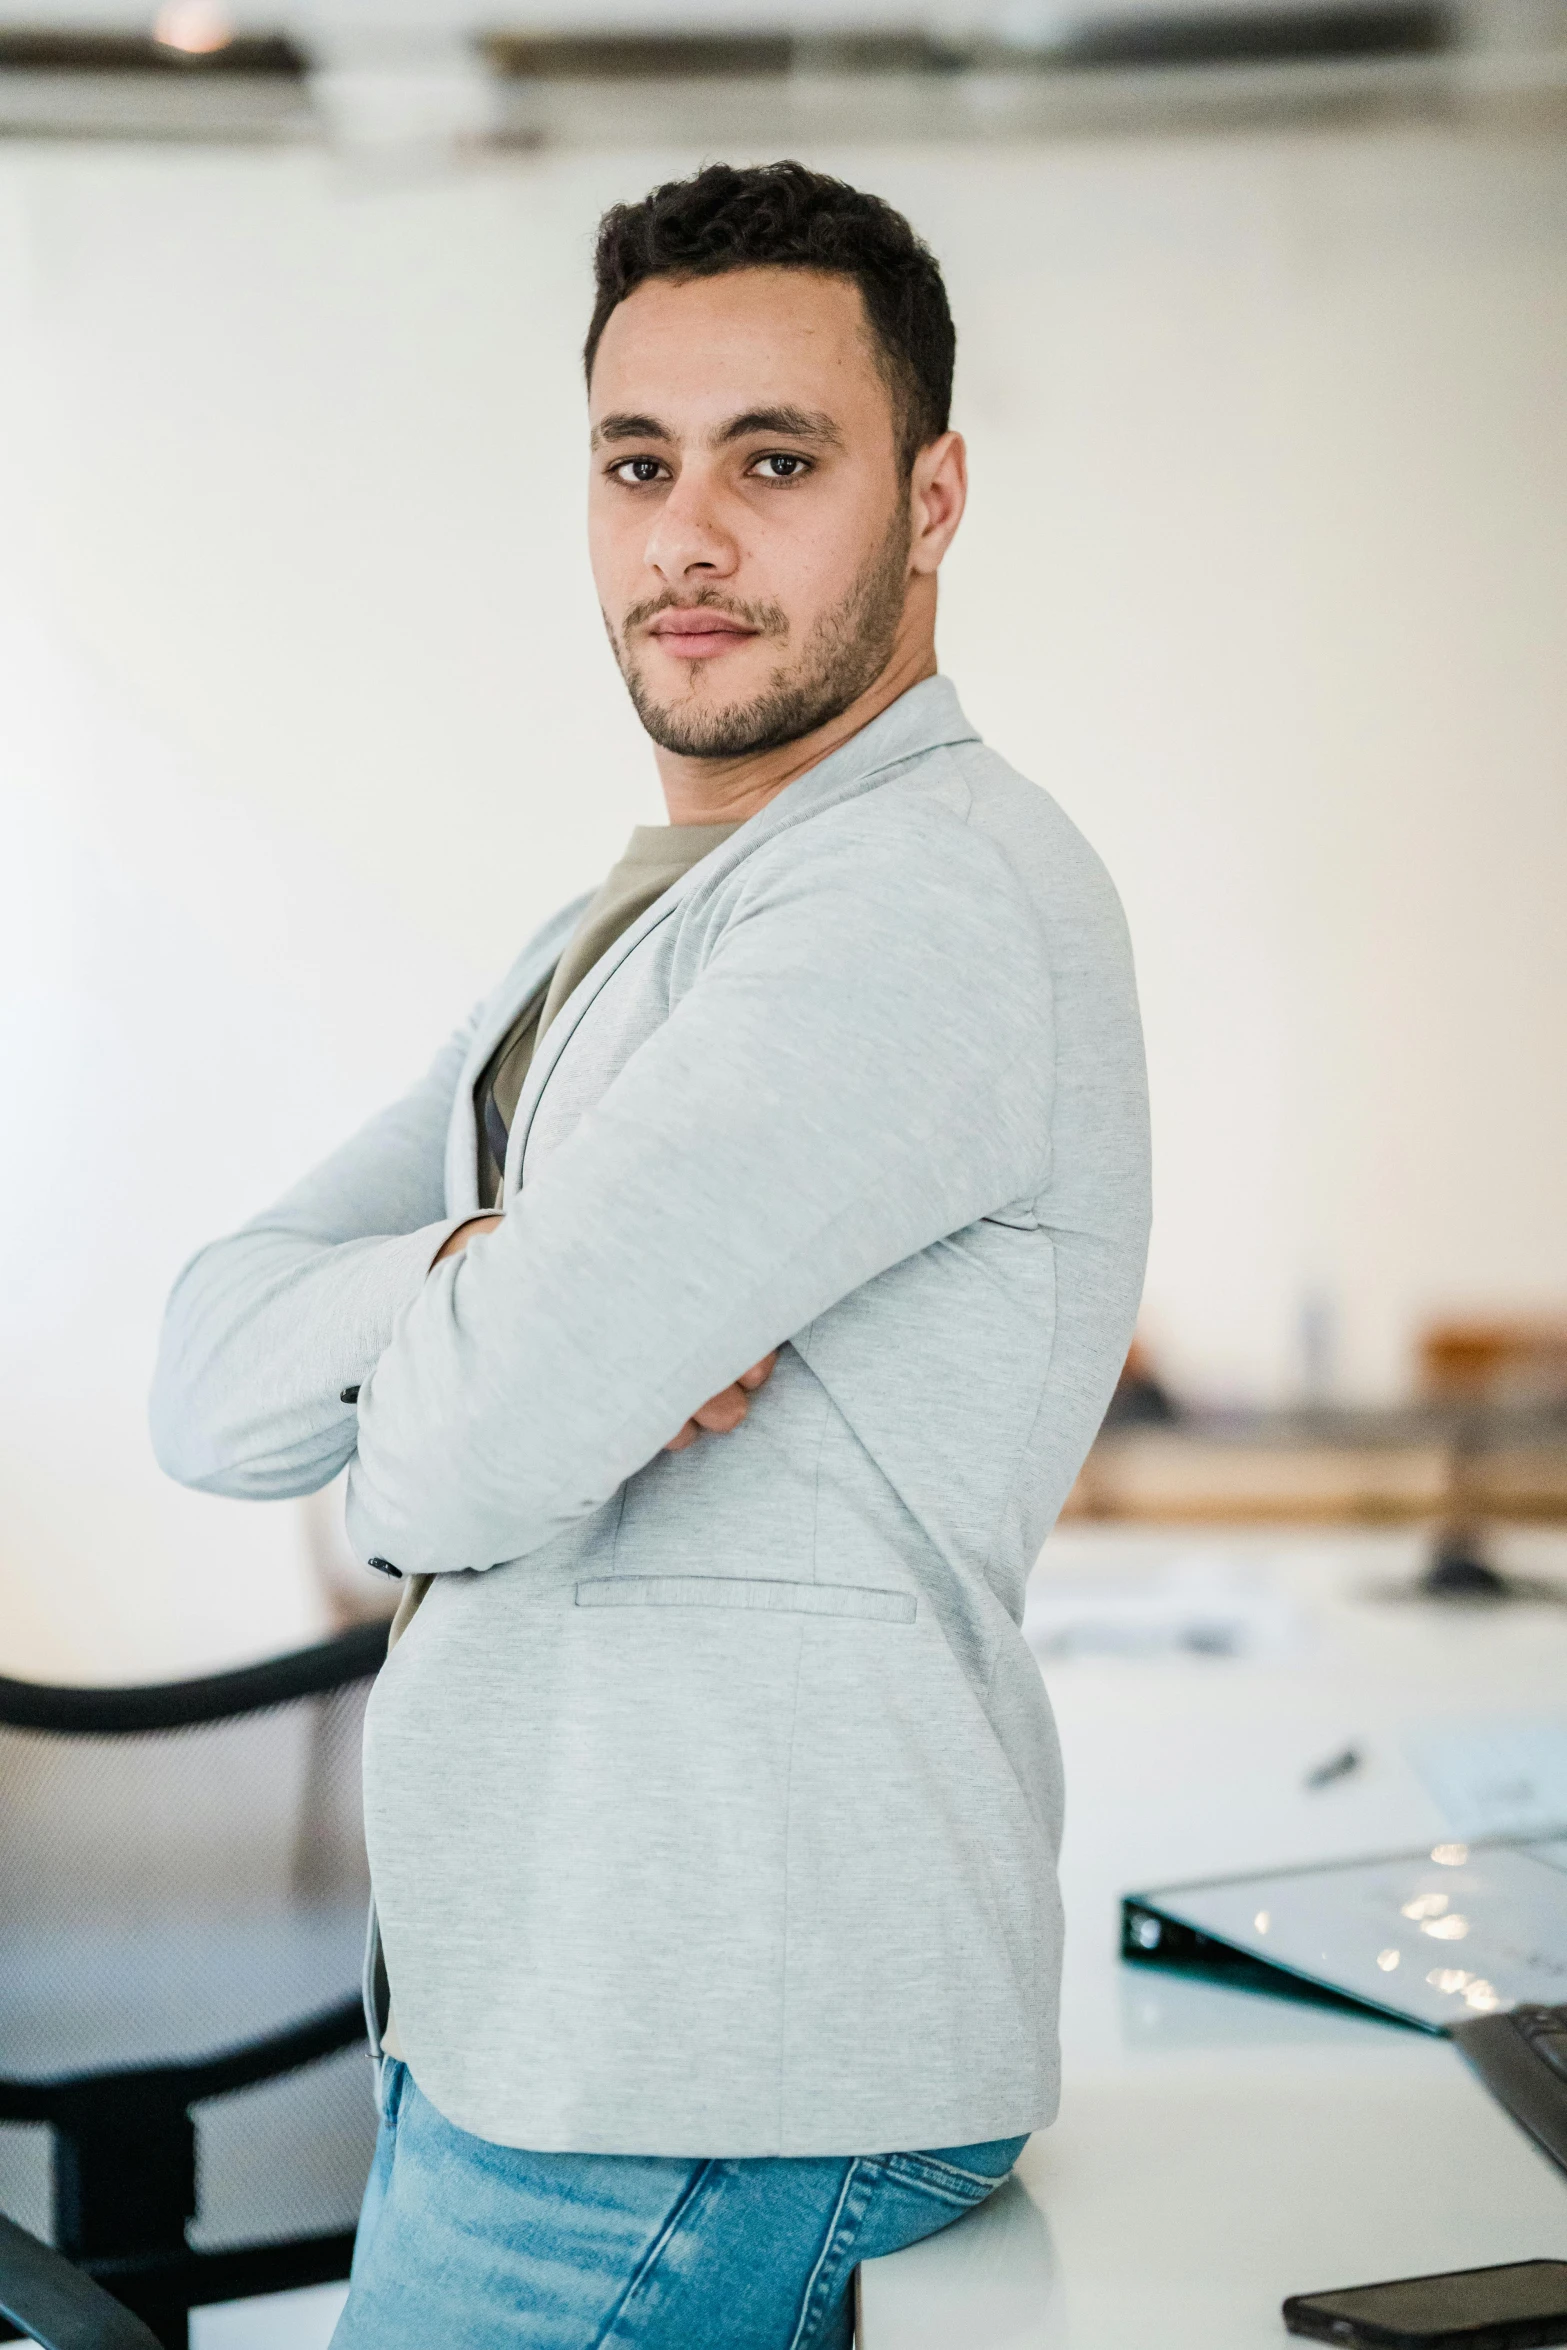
[[394, 72], [1020, 21]]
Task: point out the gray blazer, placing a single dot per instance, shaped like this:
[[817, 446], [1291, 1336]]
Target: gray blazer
[[713, 1798]]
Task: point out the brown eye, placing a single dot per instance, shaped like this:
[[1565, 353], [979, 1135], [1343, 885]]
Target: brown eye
[[638, 470], [781, 466]]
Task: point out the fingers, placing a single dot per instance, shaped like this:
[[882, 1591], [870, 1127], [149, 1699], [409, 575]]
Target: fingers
[[722, 1413], [457, 1241], [719, 1415]]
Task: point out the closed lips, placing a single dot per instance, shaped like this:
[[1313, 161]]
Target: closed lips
[[692, 632]]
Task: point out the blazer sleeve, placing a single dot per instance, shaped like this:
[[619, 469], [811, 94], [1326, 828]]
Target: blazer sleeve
[[265, 1329], [862, 1064]]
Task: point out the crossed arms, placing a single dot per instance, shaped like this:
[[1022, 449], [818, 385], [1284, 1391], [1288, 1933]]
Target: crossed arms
[[719, 1416], [861, 1065]]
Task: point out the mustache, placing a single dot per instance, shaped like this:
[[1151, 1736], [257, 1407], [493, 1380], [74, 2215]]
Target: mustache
[[768, 619]]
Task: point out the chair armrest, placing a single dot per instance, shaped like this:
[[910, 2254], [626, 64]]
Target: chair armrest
[[55, 2305]]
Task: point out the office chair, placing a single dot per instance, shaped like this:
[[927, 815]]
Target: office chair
[[58, 2307], [185, 2105]]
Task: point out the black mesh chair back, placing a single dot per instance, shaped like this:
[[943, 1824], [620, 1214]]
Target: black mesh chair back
[[185, 2104]]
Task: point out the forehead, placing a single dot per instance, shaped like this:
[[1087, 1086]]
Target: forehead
[[694, 351]]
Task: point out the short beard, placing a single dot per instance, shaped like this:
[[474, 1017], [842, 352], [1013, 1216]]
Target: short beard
[[847, 651]]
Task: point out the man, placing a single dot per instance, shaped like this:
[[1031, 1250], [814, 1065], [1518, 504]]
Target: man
[[711, 1339]]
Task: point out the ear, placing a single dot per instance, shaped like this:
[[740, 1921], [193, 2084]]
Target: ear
[[938, 493]]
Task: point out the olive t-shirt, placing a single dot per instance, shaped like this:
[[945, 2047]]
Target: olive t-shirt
[[655, 859]]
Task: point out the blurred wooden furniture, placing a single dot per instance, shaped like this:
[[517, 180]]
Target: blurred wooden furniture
[[1263, 1476], [1195, 1477], [1486, 1442], [1495, 1361]]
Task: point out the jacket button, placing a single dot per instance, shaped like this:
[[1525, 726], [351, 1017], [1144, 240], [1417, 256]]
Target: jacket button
[[385, 1567]]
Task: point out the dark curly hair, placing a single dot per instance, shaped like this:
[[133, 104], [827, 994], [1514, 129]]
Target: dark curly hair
[[780, 215]]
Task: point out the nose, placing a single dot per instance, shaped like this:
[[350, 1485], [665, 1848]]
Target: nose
[[689, 543]]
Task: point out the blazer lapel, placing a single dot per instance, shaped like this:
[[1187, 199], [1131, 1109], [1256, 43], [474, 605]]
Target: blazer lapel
[[921, 720]]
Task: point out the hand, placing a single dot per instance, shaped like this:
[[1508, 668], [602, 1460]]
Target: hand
[[456, 1242], [724, 1411]]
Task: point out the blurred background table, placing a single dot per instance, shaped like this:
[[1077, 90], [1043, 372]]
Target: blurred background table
[[1217, 2150]]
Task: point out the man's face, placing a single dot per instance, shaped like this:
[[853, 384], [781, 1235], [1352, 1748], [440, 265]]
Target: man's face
[[748, 518]]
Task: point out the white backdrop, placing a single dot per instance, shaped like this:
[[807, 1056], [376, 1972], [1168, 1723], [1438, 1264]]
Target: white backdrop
[[305, 719]]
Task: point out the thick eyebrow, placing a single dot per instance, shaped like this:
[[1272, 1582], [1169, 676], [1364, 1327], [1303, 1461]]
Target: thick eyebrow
[[629, 428], [795, 424]]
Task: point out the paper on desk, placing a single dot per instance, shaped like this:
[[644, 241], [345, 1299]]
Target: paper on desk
[[1495, 1778], [1191, 1604]]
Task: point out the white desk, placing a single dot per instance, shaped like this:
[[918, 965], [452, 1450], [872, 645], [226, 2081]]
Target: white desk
[[1218, 2150]]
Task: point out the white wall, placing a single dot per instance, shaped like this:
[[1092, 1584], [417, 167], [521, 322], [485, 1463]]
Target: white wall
[[305, 719]]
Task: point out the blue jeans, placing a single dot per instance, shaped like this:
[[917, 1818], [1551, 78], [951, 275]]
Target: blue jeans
[[468, 2246]]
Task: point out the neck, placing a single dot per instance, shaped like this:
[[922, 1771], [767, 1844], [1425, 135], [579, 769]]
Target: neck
[[727, 791]]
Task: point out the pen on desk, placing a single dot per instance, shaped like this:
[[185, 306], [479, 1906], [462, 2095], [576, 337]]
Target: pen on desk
[[1337, 1766]]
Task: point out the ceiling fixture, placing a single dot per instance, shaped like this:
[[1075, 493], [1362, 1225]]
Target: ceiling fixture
[[196, 28]]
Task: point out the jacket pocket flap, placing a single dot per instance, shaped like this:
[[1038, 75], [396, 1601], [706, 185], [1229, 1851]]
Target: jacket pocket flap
[[744, 1591]]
